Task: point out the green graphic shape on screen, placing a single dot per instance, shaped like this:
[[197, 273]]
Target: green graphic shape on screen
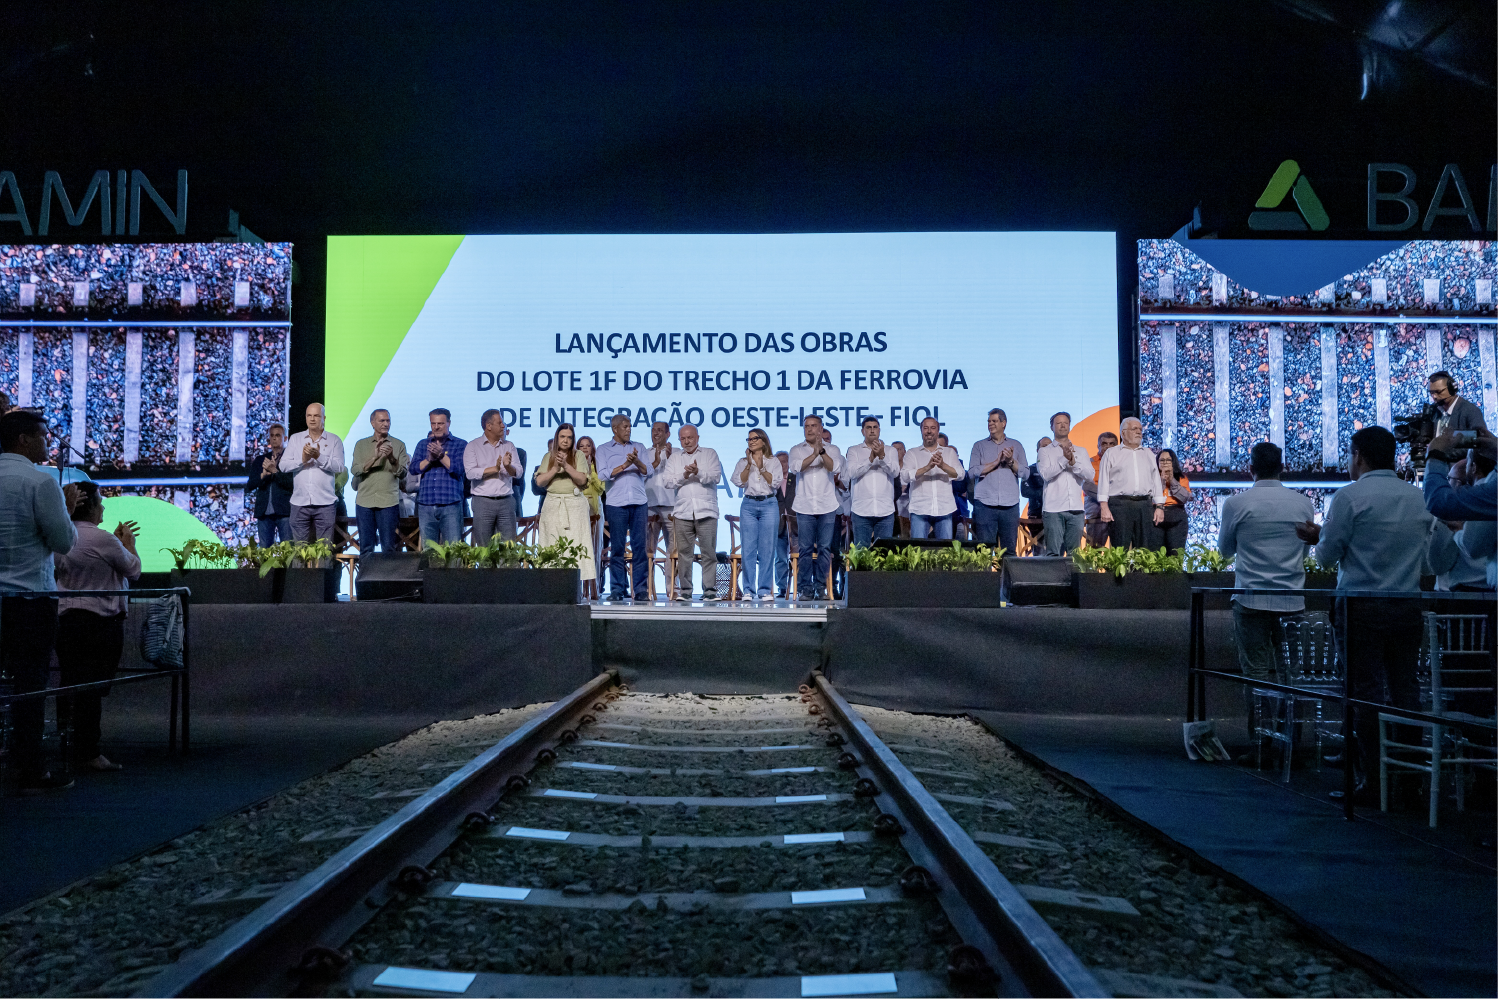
[[1288, 179], [377, 286], [160, 525]]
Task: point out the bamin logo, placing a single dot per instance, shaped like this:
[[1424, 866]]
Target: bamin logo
[[1289, 180]]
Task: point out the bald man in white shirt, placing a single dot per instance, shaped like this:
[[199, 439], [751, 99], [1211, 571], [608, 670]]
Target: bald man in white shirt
[[1130, 498]]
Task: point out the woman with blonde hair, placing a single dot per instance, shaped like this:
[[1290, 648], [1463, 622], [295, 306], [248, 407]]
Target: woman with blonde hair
[[563, 473], [594, 492]]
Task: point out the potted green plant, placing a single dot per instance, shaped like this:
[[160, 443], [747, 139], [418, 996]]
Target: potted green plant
[[214, 574], [1130, 578], [311, 575], [924, 577], [504, 572], [1206, 566]]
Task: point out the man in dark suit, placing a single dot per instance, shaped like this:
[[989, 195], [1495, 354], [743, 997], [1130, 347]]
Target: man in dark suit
[[271, 488], [785, 539], [518, 483], [1452, 411]]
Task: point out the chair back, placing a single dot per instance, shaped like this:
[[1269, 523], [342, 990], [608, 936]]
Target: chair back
[[1458, 660], [1309, 652]]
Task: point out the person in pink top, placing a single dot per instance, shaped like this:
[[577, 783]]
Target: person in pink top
[[91, 630]]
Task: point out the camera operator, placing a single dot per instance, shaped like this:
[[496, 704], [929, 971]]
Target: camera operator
[[1452, 412], [1478, 501]]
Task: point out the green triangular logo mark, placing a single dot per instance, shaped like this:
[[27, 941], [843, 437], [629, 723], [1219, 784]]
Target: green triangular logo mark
[[1289, 180]]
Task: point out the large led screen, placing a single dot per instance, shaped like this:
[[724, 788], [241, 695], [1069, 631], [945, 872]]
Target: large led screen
[[723, 331]]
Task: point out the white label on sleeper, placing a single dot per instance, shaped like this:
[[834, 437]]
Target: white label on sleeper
[[827, 895], [427, 981], [848, 985], [552, 792], [521, 832], [795, 838], [600, 742], [785, 747], [466, 890], [793, 799], [793, 770], [591, 766]]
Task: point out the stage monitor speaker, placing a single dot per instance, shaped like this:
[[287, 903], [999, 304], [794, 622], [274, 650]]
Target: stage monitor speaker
[[386, 577], [1044, 580]]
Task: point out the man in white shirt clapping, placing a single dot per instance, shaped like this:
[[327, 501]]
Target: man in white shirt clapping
[[1064, 467], [929, 471], [314, 458], [1129, 496], [694, 473], [816, 465], [872, 469]]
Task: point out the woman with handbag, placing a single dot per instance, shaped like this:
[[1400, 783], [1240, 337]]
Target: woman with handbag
[[563, 473], [91, 630]]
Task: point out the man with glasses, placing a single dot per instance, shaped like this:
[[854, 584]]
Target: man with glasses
[[1452, 411], [626, 509]]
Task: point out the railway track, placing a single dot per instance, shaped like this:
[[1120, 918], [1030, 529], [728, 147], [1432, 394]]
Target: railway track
[[791, 855]]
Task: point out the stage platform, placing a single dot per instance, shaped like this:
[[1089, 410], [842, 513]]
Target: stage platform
[[451, 660]]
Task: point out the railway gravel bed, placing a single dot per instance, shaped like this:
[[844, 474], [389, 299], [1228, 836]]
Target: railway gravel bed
[[1192, 926], [110, 934]]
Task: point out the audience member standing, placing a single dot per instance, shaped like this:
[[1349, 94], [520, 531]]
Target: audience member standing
[[34, 525], [662, 500], [517, 486], [563, 473], [1475, 504], [1095, 527], [626, 506], [872, 470], [380, 462], [1379, 534], [760, 475], [995, 466], [1177, 490], [272, 490], [902, 494], [694, 473], [961, 517], [91, 630], [785, 539], [593, 492], [438, 464], [314, 458], [1065, 470], [816, 465], [1032, 485], [1129, 496], [1259, 531], [929, 471], [492, 464]]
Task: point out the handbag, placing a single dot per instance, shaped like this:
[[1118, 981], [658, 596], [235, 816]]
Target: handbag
[[161, 637]]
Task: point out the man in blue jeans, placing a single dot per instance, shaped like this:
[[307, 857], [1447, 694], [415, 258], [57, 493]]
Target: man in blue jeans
[[626, 508], [438, 461], [873, 469], [271, 488], [816, 465], [929, 470], [995, 467]]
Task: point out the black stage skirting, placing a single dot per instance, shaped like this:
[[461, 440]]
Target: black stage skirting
[[457, 660]]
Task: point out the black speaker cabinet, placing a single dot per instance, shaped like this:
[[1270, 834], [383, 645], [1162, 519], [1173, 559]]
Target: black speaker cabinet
[[382, 577], [1040, 581]]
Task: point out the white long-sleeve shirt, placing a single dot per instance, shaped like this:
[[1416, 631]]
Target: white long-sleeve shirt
[[312, 482], [1258, 531], [753, 482], [1379, 533], [872, 480], [657, 493], [816, 488], [1063, 479], [697, 493], [931, 493], [1127, 471]]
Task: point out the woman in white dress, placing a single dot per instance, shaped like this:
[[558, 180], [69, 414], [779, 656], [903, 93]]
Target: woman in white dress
[[563, 473]]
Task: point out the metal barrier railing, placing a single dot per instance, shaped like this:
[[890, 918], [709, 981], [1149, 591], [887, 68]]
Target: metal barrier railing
[[1197, 672], [181, 695]]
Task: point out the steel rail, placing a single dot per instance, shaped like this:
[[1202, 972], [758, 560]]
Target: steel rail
[[987, 911], [267, 952]]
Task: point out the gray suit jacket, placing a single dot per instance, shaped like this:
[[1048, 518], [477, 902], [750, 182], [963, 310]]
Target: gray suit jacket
[[1465, 415]]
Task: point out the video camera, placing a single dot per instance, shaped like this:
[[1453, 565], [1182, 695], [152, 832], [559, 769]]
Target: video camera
[[1417, 430]]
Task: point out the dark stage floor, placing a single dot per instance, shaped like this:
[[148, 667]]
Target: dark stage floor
[[56, 839], [1420, 901]]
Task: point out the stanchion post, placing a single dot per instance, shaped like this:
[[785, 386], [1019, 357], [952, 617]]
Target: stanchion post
[[1191, 660]]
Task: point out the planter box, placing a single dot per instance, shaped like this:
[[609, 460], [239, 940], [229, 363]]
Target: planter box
[[307, 586], [226, 586], [500, 586], [1221, 580], [923, 589], [1136, 591]]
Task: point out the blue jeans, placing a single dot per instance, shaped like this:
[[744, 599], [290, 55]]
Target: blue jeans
[[870, 529], [922, 526], [440, 521], [814, 532], [377, 522], [631, 520], [1063, 531], [996, 524], [271, 527], [759, 521], [782, 563]]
